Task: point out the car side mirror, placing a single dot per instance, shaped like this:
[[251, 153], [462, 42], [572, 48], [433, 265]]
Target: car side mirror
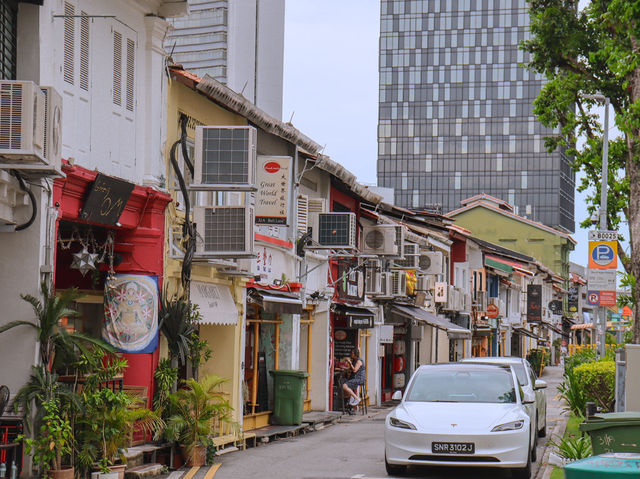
[[397, 396], [540, 384]]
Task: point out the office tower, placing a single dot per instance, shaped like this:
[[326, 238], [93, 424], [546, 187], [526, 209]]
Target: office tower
[[239, 43], [455, 110]]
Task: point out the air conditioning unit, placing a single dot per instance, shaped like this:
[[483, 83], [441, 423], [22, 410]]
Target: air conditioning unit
[[52, 151], [224, 158], [431, 262], [481, 300], [372, 281], [467, 302], [411, 257], [380, 240], [224, 231], [453, 299], [334, 230], [22, 122], [425, 283], [398, 283], [306, 208]]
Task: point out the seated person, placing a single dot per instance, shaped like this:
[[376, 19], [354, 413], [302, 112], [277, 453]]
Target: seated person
[[357, 369]]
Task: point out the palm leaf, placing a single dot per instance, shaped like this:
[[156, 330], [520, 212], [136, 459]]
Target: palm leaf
[[13, 324]]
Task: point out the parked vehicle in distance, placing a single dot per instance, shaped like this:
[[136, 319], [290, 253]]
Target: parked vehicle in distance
[[531, 386], [461, 415]]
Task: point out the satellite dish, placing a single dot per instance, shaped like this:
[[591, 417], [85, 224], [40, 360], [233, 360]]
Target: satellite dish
[[4, 398]]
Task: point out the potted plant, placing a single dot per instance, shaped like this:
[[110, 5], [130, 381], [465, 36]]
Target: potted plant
[[195, 408], [53, 441]]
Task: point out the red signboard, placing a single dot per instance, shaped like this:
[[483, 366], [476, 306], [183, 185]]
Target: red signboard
[[493, 311], [608, 298]]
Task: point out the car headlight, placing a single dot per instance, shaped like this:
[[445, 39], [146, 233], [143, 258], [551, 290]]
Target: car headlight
[[395, 422], [509, 426]]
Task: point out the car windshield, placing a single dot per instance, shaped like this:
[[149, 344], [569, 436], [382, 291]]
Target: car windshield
[[469, 386]]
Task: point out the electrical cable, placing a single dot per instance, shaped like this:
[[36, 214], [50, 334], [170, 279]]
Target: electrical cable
[[188, 230], [32, 198], [183, 140]]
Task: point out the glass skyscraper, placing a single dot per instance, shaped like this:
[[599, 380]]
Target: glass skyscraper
[[455, 110]]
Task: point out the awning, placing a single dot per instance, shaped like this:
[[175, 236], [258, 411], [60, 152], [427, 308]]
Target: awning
[[215, 303], [495, 263], [276, 302], [583, 326], [526, 332], [359, 318], [453, 330]]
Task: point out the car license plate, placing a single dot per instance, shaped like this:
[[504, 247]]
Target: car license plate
[[453, 447]]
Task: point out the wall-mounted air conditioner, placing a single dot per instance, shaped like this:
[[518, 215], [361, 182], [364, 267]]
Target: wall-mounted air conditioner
[[480, 302], [224, 231], [385, 284], [372, 272], [334, 230], [398, 283], [22, 122], [453, 299], [224, 158], [425, 283], [467, 302], [379, 240], [411, 257], [52, 151], [431, 262]]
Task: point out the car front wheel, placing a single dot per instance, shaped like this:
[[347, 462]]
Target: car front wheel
[[394, 469]]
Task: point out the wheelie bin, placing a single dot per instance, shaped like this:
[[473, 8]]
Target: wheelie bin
[[288, 400], [605, 466], [613, 432]]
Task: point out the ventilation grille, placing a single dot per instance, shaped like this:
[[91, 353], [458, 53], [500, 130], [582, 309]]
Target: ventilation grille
[[11, 116], [303, 213], [84, 52], [117, 68], [225, 156], [410, 261], [69, 42], [224, 229]]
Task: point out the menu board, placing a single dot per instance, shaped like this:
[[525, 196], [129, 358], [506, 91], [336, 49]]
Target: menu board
[[344, 341]]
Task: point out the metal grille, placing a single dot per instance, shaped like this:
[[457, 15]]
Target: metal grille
[[225, 229], [8, 36], [225, 156], [335, 229], [10, 116], [410, 260]]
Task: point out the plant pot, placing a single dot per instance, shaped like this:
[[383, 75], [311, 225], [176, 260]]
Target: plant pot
[[66, 472], [198, 456], [119, 469], [108, 475]]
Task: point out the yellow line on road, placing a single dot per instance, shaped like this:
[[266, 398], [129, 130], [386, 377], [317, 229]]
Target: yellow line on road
[[191, 473], [212, 471]]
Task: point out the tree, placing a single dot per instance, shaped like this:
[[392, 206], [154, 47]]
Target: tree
[[594, 50]]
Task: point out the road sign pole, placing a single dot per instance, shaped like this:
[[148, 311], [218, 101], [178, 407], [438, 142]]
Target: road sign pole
[[603, 208]]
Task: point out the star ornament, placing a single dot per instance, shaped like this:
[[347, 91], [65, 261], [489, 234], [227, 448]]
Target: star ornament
[[84, 261]]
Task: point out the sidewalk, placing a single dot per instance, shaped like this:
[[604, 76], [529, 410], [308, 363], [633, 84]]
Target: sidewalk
[[556, 421]]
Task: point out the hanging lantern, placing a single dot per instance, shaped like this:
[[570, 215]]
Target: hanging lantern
[[84, 261]]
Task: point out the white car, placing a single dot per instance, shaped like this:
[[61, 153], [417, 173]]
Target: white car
[[462, 415], [532, 387]]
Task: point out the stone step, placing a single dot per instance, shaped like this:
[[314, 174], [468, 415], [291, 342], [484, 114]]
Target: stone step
[[134, 457], [226, 450], [143, 471]]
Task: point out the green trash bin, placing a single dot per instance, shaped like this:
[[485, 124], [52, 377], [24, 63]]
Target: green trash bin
[[288, 401], [613, 432], [610, 465]]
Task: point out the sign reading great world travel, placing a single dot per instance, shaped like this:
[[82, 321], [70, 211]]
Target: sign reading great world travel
[[272, 197]]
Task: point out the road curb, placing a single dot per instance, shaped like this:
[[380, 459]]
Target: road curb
[[545, 469]]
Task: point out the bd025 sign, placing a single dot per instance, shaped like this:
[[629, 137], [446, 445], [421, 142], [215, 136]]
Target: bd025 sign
[[272, 197]]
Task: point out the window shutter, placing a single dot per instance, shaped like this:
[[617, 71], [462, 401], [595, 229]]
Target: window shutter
[[302, 213], [84, 52], [317, 205], [69, 42], [131, 54], [117, 68]]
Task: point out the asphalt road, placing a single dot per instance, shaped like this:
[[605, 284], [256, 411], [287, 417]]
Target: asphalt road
[[355, 450]]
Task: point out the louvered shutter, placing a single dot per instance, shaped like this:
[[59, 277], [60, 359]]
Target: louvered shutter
[[69, 43], [117, 68], [84, 51], [317, 205], [130, 82], [302, 213]]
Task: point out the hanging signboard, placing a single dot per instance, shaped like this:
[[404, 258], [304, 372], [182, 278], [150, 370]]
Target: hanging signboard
[[272, 197], [350, 284], [534, 303], [106, 200], [573, 299]]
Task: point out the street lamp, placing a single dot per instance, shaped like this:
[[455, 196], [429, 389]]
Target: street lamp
[[603, 196]]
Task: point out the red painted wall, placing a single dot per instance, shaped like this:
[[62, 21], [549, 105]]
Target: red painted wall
[[139, 240], [458, 253]]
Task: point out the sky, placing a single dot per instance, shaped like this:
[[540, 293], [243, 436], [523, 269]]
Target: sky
[[331, 86]]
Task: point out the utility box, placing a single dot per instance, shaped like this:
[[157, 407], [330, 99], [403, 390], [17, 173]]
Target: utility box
[[631, 386]]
